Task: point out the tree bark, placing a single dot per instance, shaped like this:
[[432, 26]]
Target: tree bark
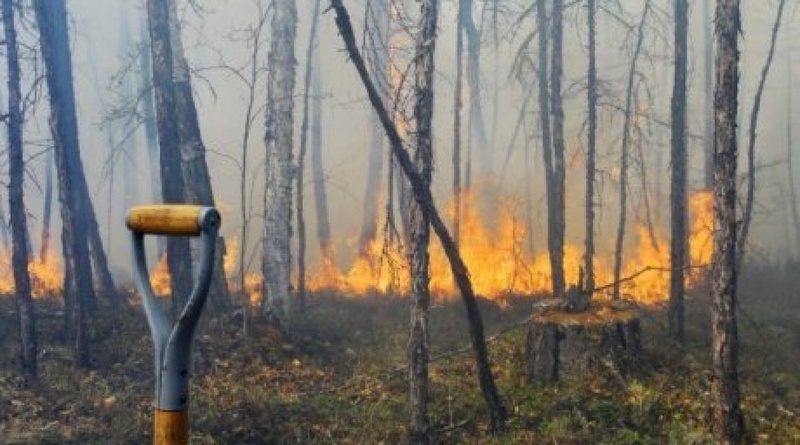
[[747, 216], [623, 170], [727, 419], [458, 105], [197, 181], [423, 197], [419, 339], [678, 252], [47, 210], [795, 212], [279, 167], [51, 17], [591, 92], [477, 127], [172, 183], [708, 98], [26, 317], [318, 173], [559, 166]]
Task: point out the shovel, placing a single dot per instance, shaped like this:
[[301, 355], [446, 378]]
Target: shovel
[[172, 341]]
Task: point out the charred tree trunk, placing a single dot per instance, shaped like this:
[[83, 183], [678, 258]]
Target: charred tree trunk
[[51, 17], [559, 166], [311, 67], [279, 167], [747, 216], [16, 202], [419, 339], [423, 197], [378, 18], [623, 170], [727, 418], [172, 184], [588, 256], [197, 182], [677, 253], [556, 267]]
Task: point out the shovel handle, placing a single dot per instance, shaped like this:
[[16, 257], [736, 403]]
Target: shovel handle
[[171, 427], [168, 219]]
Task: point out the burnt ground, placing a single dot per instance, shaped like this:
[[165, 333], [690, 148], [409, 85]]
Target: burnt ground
[[339, 377]]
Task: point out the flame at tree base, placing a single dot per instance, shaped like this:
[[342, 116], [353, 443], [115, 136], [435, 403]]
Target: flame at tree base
[[501, 266], [47, 276]]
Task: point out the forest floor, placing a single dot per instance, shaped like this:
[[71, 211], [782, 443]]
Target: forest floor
[[339, 378]]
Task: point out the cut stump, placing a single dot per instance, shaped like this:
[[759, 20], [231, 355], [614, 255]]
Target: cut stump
[[561, 342]]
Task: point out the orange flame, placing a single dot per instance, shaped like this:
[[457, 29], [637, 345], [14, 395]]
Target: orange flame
[[47, 276], [500, 265]]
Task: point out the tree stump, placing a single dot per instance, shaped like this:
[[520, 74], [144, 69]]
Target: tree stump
[[562, 342]]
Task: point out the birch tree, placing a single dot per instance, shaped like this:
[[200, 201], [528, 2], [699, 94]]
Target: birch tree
[[280, 169]]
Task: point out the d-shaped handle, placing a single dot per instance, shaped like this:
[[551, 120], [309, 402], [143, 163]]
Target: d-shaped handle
[[172, 341]]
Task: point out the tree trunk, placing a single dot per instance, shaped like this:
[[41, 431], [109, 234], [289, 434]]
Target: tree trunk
[[279, 167], [318, 173], [172, 184], [623, 170], [313, 42], [559, 166], [419, 339], [197, 182], [678, 254], [44, 242], [458, 105], [591, 91], [422, 195], [477, 127], [795, 213], [727, 419], [378, 18], [747, 216], [51, 17], [16, 203]]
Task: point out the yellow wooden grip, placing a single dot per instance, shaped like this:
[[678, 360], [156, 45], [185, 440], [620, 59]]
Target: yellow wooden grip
[[165, 219], [171, 427]]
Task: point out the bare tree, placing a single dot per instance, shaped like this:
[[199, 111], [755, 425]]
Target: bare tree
[[172, 180], [747, 215], [458, 105], [477, 127], [708, 98], [422, 195], [26, 317], [419, 340], [591, 148], [51, 17], [280, 169], [727, 419], [678, 252], [623, 170]]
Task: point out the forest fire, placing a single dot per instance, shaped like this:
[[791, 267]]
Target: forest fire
[[501, 265], [47, 276]]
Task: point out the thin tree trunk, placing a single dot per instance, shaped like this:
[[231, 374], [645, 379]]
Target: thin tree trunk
[[172, 184], [727, 418], [747, 216], [301, 157], [378, 18], [591, 91], [423, 197], [318, 173], [458, 105], [44, 246], [623, 170], [677, 253], [477, 127], [51, 17], [556, 268], [279, 167], [419, 338], [26, 317]]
